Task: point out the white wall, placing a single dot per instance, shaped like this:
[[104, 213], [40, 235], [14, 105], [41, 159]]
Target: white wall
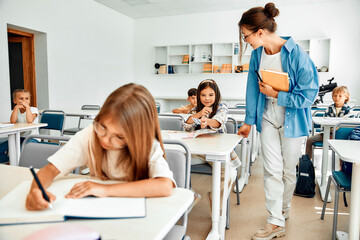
[[89, 50], [337, 20]]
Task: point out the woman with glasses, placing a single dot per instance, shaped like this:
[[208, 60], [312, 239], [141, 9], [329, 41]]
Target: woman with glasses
[[282, 117], [124, 143]]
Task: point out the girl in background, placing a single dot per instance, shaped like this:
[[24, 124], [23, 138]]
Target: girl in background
[[213, 115], [124, 143]]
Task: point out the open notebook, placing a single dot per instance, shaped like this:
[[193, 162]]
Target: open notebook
[[194, 134], [13, 211], [5, 125]]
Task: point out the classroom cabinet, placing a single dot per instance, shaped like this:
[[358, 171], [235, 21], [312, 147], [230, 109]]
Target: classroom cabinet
[[222, 58]]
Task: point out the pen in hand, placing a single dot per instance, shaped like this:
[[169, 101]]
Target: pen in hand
[[45, 196]]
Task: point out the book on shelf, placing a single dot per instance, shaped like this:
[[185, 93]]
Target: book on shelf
[[13, 210], [279, 81], [189, 135], [5, 125]]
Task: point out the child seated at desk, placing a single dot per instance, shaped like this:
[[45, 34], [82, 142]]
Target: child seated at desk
[[213, 115], [124, 143], [339, 108], [188, 108], [22, 113]]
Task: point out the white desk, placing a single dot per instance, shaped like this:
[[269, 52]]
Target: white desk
[[217, 148], [14, 138], [87, 114], [350, 151], [162, 213], [328, 123]]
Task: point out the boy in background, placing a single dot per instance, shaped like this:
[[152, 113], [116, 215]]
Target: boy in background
[[339, 108], [22, 113], [188, 108]]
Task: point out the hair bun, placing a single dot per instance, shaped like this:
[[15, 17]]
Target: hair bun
[[270, 10]]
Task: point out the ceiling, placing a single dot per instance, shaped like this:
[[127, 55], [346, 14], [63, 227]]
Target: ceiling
[[157, 8]]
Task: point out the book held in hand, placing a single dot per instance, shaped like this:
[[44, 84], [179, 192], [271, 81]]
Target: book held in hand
[[13, 210], [279, 81]]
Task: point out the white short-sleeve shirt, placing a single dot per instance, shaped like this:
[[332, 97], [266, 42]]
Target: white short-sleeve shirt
[[21, 118], [74, 155]]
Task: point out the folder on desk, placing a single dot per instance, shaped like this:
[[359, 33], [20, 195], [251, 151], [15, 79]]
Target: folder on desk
[[5, 125], [277, 80], [13, 210]]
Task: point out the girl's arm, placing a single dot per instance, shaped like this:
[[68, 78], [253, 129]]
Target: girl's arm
[[34, 199], [14, 114], [153, 187], [198, 115], [30, 117]]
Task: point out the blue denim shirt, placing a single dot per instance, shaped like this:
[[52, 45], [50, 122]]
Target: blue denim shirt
[[303, 89]]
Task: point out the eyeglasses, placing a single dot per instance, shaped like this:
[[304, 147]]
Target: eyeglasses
[[101, 131], [245, 37]]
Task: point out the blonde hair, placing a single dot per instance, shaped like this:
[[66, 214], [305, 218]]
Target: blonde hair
[[344, 90], [20, 90], [133, 108]]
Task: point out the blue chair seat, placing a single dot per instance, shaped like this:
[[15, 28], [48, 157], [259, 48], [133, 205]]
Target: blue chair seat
[[318, 144], [342, 179]]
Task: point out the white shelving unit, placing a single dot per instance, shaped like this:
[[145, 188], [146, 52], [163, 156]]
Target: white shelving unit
[[218, 54]]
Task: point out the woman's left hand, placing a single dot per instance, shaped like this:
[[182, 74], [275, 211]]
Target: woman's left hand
[[87, 188], [268, 90]]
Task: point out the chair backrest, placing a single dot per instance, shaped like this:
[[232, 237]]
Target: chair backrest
[[356, 108], [343, 130], [55, 120], [158, 105], [179, 160], [317, 113], [90, 107], [171, 122], [316, 108], [237, 110], [231, 125], [36, 153], [240, 105]]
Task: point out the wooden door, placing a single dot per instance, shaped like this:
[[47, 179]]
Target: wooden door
[[22, 63]]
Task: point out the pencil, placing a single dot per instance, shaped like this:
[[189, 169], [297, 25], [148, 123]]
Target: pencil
[[45, 196]]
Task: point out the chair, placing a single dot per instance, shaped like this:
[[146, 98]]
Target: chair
[[316, 128], [72, 131], [235, 110], [171, 122], [341, 180], [158, 105], [36, 154], [240, 105], [55, 120], [179, 164]]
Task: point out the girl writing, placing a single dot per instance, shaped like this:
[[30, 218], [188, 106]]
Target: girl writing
[[124, 143], [213, 115]]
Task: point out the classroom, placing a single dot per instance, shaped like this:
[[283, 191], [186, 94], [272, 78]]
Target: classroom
[[85, 49]]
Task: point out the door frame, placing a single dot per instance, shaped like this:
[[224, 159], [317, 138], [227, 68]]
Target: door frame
[[28, 50]]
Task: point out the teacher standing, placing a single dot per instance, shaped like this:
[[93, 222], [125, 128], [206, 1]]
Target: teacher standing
[[282, 118]]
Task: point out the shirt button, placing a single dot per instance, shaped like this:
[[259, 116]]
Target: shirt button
[[287, 113], [287, 126]]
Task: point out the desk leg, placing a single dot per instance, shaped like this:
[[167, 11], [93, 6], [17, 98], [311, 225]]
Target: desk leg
[[216, 179], [354, 226], [324, 166], [12, 149], [224, 201], [17, 148], [244, 167]]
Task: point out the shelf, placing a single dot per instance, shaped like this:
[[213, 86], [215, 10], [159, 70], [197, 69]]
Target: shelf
[[227, 53]]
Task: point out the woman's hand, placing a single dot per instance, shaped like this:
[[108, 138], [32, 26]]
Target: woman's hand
[[268, 90], [87, 188], [36, 201], [244, 130]]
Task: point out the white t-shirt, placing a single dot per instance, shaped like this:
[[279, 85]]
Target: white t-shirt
[[21, 118], [74, 153]]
